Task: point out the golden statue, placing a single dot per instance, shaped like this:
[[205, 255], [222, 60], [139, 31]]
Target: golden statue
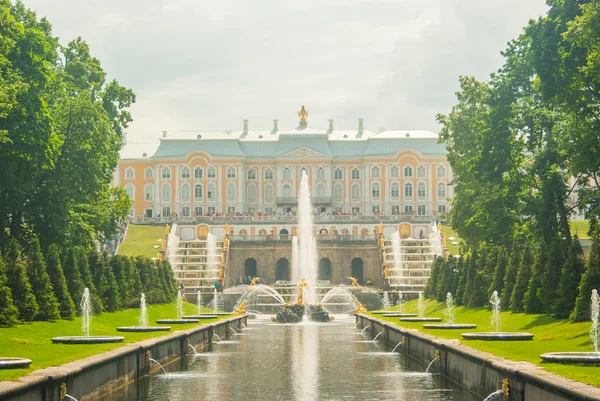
[[359, 307], [221, 273], [301, 286], [223, 257], [386, 273], [354, 282], [168, 229], [164, 245], [254, 281], [380, 230], [439, 227], [226, 229], [242, 308], [303, 114]]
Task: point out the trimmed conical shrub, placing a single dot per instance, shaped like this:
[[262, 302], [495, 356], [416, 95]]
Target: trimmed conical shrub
[[18, 282], [522, 283], [499, 272], [73, 276], [570, 278], [9, 314], [40, 284], [590, 280], [59, 283], [552, 273], [531, 299], [510, 277]]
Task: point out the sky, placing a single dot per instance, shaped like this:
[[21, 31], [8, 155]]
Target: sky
[[207, 65]]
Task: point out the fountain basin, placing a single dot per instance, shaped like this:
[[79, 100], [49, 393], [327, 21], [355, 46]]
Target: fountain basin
[[14, 363], [499, 336], [576, 358], [420, 319], [177, 321], [141, 329], [199, 317], [449, 326], [399, 315], [87, 339]]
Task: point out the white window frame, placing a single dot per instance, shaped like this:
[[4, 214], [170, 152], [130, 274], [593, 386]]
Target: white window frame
[[198, 173], [165, 189], [211, 192], [408, 171], [442, 186], [338, 192], [441, 171], [149, 192], [321, 190], [395, 172], [166, 211], [231, 191], [130, 190], [375, 172], [211, 173], [185, 211], [338, 174], [198, 191], [421, 210], [252, 193], [408, 190], [355, 174], [149, 173], [286, 191], [287, 174], [421, 190], [251, 174], [421, 172], [198, 210], [269, 174], [269, 192], [185, 173], [129, 173], [230, 172], [395, 190], [165, 173], [355, 195], [320, 173], [186, 192], [408, 209], [441, 208], [375, 190]]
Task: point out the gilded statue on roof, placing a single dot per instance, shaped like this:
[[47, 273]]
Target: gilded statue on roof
[[303, 114]]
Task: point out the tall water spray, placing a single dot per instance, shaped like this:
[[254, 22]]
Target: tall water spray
[[595, 331], [495, 301], [143, 311], [86, 312], [397, 250], [449, 309], [399, 305], [307, 258], [436, 241], [216, 301], [421, 305], [199, 303], [212, 257], [172, 246], [295, 258], [386, 300], [179, 305]]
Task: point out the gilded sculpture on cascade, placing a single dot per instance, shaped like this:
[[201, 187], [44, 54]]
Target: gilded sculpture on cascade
[[303, 114], [301, 286]]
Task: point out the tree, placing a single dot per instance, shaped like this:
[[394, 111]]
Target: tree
[[112, 296], [430, 288], [73, 276], [522, 283], [510, 277], [59, 283], [481, 283], [81, 257], [499, 272], [9, 314], [462, 281], [18, 282], [41, 285], [531, 300], [570, 278], [589, 280], [470, 274], [552, 273]]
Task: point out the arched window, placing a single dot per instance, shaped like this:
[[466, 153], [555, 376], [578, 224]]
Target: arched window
[[212, 172], [198, 191], [408, 190], [149, 173], [355, 192], [252, 193], [337, 174], [269, 193], [375, 191], [230, 191], [286, 173], [408, 171], [268, 174], [421, 190], [355, 174], [320, 191], [148, 192], [166, 173], [395, 190], [130, 173], [230, 172], [338, 192], [166, 191], [441, 190], [441, 172], [198, 173], [185, 192], [287, 191], [130, 190], [395, 172], [251, 174], [375, 172], [185, 173], [211, 192], [421, 172], [320, 172]]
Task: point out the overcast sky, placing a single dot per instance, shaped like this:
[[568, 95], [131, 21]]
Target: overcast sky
[[203, 65]]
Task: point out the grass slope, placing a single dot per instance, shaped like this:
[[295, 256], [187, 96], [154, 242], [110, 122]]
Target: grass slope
[[33, 340], [448, 232], [140, 239], [580, 228], [551, 335]]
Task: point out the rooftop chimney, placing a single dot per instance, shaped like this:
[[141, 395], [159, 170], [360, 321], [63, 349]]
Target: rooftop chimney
[[164, 134], [360, 127], [245, 130], [381, 130], [275, 127], [124, 138], [331, 125]]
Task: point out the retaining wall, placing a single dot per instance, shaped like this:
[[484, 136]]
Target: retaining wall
[[477, 371], [98, 375]]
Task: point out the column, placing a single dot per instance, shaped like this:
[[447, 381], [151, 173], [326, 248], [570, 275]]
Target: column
[[347, 171], [157, 190], [367, 187], [259, 187], [429, 185], [177, 172], [241, 189]]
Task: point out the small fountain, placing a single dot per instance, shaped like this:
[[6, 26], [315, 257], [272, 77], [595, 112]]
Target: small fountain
[[199, 303], [497, 335], [378, 334], [199, 315], [157, 363], [302, 310], [421, 309], [436, 359], [193, 348], [86, 315], [179, 312], [582, 358], [14, 363], [398, 312], [396, 347], [449, 325], [386, 300], [503, 393], [143, 327]]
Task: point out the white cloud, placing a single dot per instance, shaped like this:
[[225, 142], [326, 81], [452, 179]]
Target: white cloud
[[208, 65]]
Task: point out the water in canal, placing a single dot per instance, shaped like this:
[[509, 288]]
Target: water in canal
[[307, 361]]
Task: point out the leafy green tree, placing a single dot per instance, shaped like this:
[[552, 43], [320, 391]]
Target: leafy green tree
[[510, 277], [470, 278], [589, 280], [75, 283], [112, 300], [570, 278], [81, 258], [499, 272], [97, 265], [522, 283], [531, 300], [462, 281], [18, 282], [430, 288], [59, 283], [487, 262], [41, 285], [9, 314], [446, 280], [118, 266], [551, 278]]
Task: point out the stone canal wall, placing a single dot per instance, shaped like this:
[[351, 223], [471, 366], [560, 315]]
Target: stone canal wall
[[98, 375], [480, 372]]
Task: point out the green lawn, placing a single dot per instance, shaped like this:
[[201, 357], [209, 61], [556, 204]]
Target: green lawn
[[448, 232], [551, 335], [140, 239], [32, 340], [580, 228]]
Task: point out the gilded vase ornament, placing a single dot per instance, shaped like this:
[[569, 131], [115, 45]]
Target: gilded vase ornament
[[303, 114]]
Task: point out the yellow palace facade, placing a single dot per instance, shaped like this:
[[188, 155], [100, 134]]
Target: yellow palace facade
[[257, 172]]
